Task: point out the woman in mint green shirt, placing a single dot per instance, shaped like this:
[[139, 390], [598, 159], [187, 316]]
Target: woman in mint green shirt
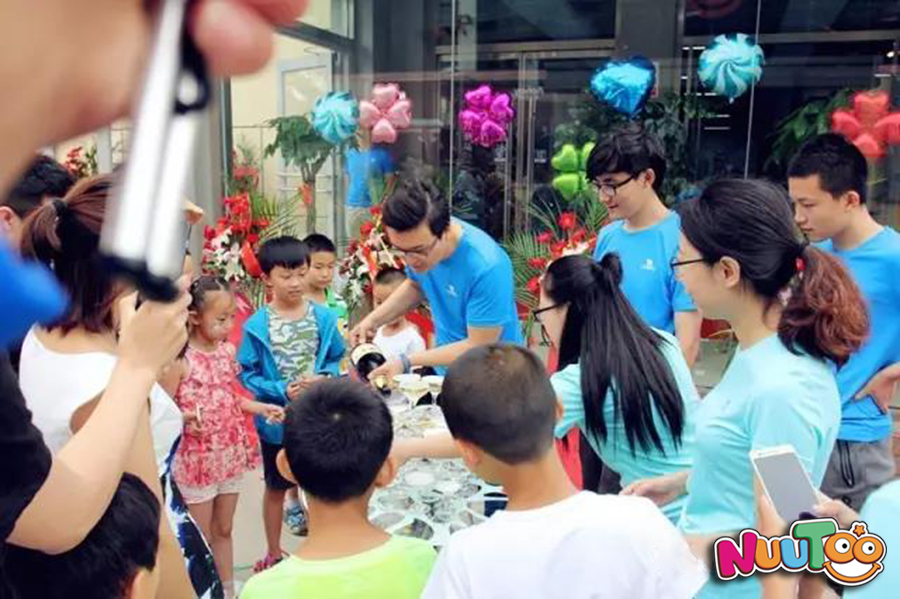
[[795, 311], [625, 385]]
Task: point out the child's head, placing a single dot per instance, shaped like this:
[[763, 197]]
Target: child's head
[[628, 168], [285, 262], [336, 442], [212, 308], [322, 260], [386, 282], [500, 407], [827, 183], [117, 559]]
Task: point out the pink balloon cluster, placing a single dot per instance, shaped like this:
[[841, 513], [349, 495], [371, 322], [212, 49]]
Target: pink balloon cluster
[[388, 111], [870, 125], [486, 116]]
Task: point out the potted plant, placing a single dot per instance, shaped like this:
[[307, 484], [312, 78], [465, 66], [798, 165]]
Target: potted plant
[[302, 147]]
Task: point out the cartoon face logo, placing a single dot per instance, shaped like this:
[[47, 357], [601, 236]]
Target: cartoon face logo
[[853, 559]]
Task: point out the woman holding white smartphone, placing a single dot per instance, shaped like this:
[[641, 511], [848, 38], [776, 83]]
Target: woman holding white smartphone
[[795, 312]]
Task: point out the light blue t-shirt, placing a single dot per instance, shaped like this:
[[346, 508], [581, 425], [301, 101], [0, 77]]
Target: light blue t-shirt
[[648, 279], [875, 265], [473, 287], [767, 397], [362, 166], [880, 513], [615, 451]]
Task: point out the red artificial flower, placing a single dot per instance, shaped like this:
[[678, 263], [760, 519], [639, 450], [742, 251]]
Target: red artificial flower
[[537, 263], [579, 236], [353, 246], [534, 285], [253, 238], [245, 172], [546, 238], [366, 228], [557, 249], [375, 210], [567, 221], [209, 233]]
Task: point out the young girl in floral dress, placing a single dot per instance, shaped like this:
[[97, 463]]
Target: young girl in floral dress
[[218, 445]]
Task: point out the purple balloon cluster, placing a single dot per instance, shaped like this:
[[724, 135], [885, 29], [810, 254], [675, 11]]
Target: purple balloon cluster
[[486, 116]]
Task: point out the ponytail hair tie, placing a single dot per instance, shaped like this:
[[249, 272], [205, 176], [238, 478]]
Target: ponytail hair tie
[[800, 263], [60, 206]]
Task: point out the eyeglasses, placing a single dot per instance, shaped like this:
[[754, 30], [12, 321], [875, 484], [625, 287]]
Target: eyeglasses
[[420, 252], [677, 263], [610, 189], [536, 314]]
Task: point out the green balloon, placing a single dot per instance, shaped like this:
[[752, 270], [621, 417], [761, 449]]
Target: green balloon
[[568, 184], [571, 164], [566, 160], [585, 154]]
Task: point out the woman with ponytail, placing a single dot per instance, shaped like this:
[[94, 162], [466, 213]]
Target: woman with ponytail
[[796, 314], [625, 385], [66, 367]]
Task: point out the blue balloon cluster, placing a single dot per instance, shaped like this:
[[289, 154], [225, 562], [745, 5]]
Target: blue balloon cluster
[[625, 84], [731, 65], [336, 117]]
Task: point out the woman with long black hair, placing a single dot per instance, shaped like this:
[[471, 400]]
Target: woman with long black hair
[[796, 314], [625, 385]]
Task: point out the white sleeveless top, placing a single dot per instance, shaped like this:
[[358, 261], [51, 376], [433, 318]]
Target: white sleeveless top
[[55, 385]]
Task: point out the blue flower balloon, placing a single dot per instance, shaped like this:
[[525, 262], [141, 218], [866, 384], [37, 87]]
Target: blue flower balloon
[[336, 117], [625, 84], [731, 65]]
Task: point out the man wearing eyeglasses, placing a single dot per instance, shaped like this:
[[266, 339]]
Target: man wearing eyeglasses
[[463, 274], [628, 168]]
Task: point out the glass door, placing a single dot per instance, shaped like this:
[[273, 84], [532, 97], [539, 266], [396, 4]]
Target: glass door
[[496, 188], [557, 108], [482, 181], [301, 82]]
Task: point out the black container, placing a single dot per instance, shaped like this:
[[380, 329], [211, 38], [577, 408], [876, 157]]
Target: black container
[[365, 358]]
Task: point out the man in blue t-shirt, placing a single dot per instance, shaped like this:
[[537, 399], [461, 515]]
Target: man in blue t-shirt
[[370, 171], [463, 274], [628, 168], [827, 181]]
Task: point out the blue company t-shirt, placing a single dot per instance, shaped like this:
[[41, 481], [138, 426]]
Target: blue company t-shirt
[[879, 512], [361, 167], [875, 265], [768, 397], [473, 287], [615, 450], [649, 281]]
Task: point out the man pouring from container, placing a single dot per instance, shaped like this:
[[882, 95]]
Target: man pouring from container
[[463, 274]]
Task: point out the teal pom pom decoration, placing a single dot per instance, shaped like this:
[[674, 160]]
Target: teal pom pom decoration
[[336, 117]]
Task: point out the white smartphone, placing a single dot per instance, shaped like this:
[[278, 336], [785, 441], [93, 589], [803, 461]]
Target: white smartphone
[[785, 481]]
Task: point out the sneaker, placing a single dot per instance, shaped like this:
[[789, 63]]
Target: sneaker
[[295, 518], [266, 563]]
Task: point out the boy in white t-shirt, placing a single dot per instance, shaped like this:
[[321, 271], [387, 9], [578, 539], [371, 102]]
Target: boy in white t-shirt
[[399, 337], [552, 541]]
